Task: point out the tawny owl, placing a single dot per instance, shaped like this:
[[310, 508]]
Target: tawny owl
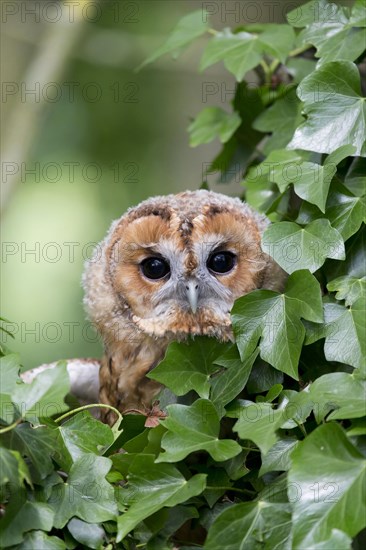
[[169, 268]]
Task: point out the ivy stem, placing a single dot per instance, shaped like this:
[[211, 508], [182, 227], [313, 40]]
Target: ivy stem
[[251, 449], [85, 407], [267, 71], [299, 50], [301, 427], [273, 66], [10, 427]]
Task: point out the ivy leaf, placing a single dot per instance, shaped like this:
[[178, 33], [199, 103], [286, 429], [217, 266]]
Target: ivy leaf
[[175, 518], [9, 372], [281, 119], [82, 434], [243, 51], [311, 180], [152, 487], [259, 422], [275, 319], [307, 13], [28, 516], [250, 525], [334, 33], [295, 247], [188, 367], [355, 179], [335, 111], [44, 396], [349, 289], [300, 67], [277, 459], [36, 443], [91, 535], [354, 264], [328, 473], [240, 52], [213, 122], [339, 392], [276, 40], [40, 541], [263, 377], [194, 428], [338, 540], [344, 331], [13, 469], [189, 28], [230, 382], [346, 212], [217, 480], [86, 495]]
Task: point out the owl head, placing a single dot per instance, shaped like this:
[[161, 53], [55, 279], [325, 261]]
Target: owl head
[[173, 266]]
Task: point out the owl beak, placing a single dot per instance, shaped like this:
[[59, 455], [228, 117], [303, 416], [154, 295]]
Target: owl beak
[[192, 295]]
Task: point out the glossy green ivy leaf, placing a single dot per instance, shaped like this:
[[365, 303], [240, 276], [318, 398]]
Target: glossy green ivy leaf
[[349, 289], [36, 443], [194, 428], [86, 495], [336, 32], [281, 120], [311, 180], [263, 377], [275, 40], [344, 330], [278, 459], [339, 392], [240, 52], [328, 475], [354, 264], [338, 540], [91, 535], [355, 180], [13, 469], [250, 525], [307, 13], [82, 434], [300, 67], [243, 51], [275, 319], [188, 367], [9, 372], [153, 486], [40, 541], [44, 396], [345, 212], [213, 122], [27, 516], [189, 28], [173, 519], [332, 101], [259, 422], [217, 481], [229, 383], [295, 247]]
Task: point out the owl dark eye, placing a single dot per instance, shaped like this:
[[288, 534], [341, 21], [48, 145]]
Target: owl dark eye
[[155, 268], [221, 262]]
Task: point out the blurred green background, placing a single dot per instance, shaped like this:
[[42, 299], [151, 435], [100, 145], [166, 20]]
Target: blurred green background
[[84, 137]]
